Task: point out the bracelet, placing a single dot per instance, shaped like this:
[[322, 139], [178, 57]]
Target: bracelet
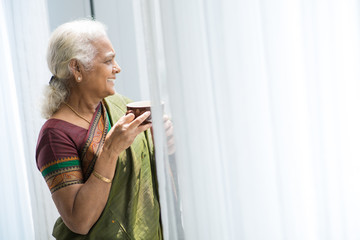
[[102, 178]]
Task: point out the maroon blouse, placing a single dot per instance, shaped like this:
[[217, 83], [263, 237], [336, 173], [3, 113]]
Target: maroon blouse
[[58, 153]]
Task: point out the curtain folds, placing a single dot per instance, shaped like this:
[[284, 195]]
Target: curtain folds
[[151, 55], [27, 29], [264, 100], [15, 220]]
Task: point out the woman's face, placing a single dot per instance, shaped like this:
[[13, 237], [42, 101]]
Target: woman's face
[[99, 81]]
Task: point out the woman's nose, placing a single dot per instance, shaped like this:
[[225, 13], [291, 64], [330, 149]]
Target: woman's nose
[[116, 68]]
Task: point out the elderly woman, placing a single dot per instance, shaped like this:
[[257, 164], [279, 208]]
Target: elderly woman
[[97, 161]]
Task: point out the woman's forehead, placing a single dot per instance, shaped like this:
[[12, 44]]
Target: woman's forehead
[[104, 47]]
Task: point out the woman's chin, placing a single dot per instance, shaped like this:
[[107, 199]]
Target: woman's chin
[[111, 91]]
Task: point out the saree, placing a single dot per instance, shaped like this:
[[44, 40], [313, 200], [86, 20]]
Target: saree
[[132, 210]]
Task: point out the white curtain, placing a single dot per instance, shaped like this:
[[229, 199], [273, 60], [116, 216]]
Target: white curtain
[[264, 96], [151, 62], [15, 219], [30, 212]]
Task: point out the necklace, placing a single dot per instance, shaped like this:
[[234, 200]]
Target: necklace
[[77, 114]]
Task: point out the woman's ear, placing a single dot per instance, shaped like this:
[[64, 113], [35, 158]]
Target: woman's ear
[[74, 66], [75, 69]]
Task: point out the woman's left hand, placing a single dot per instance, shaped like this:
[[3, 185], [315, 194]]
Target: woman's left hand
[[169, 132]]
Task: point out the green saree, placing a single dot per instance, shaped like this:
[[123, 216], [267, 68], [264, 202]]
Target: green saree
[[132, 210]]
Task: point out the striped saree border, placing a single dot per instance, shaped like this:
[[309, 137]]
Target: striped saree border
[[60, 160], [94, 142], [62, 172]]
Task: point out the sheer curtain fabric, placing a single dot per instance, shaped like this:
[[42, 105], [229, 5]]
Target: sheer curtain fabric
[[15, 220], [29, 207], [264, 99]]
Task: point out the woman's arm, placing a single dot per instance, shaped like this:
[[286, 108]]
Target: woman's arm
[[80, 205]]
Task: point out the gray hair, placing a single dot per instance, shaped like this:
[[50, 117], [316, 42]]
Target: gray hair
[[72, 40]]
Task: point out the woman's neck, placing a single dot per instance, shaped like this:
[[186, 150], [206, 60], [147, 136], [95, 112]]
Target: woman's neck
[[83, 104]]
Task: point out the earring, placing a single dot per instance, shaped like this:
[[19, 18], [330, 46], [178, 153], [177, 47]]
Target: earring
[[79, 79]]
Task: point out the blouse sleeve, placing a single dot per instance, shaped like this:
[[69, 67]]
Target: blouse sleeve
[[58, 160]]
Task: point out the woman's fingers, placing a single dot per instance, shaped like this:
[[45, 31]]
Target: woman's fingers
[[169, 132], [128, 118], [136, 123], [144, 127], [168, 126], [171, 145]]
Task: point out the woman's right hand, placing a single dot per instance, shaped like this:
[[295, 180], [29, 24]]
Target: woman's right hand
[[124, 131]]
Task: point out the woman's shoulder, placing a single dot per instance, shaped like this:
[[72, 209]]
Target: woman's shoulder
[[57, 155], [58, 138], [54, 126]]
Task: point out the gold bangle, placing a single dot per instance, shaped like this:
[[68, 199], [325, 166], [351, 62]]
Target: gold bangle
[[102, 178]]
